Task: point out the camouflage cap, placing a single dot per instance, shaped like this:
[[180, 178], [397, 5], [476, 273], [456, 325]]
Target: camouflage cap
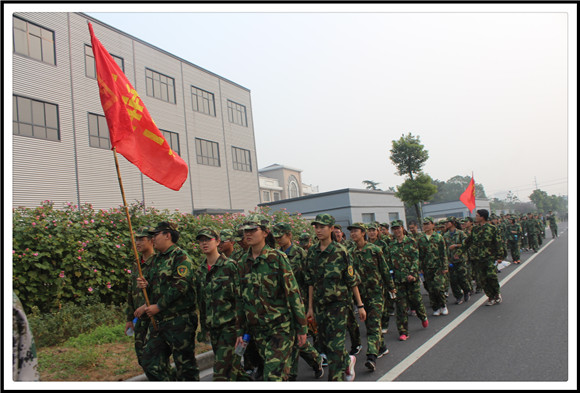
[[281, 228], [324, 219], [465, 219], [304, 237], [372, 225], [338, 226], [239, 234], [358, 225], [428, 220], [396, 223], [207, 232], [451, 219], [144, 231], [254, 221], [164, 226], [385, 225], [227, 235]]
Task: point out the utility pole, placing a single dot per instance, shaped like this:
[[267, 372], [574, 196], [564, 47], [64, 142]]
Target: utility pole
[[536, 182]]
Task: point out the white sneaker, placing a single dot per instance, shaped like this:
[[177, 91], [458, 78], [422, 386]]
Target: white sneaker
[[437, 312], [350, 369], [385, 331], [444, 310]]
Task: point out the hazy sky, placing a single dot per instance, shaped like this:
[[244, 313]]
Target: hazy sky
[[486, 87]]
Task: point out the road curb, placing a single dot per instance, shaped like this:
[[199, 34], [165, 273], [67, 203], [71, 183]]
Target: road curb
[[204, 361]]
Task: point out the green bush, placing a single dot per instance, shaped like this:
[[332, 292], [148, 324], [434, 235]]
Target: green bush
[[73, 254], [72, 320], [101, 335]]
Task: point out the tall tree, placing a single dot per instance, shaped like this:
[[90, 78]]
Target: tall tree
[[409, 155], [371, 185], [450, 190]]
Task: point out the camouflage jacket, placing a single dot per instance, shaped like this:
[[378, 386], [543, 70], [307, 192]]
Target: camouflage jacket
[[458, 254], [369, 262], [404, 256], [135, 297], [269, 292], [238, 253], [297, 257], [513, 228], [217, 293], [171, 283], [484, 243], [24, 359], [432, 252], [331, 274], [384, 246]]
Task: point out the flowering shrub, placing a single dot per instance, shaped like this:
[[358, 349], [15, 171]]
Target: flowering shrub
[[64, 255]]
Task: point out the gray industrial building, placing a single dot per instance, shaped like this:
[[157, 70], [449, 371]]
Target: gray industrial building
[[455, 209], [61, 149], [347, 206]]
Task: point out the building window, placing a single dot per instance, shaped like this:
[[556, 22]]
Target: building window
[[265, 196], [393, 216], [99, 132], [160, 86], [242, 159], [173, 139], [33, 41], [36, 119], [293, 189], [237, 113], [368, 218], [91, 67], [203, 101], [208, 152], [276, 196]]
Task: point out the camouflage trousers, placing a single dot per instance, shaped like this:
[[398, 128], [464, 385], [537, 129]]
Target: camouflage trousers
[[388, 309], [409, 295], [275, 346], [331, 319], [533, 241], [460, 283], [227, 365], [487, 272], [435, 286], [308, 353], [141, 328], [554, 230], [374, 310], [352, 326], [175, 337], [514, 248]]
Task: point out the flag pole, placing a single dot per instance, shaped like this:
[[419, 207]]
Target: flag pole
[[131, 232]]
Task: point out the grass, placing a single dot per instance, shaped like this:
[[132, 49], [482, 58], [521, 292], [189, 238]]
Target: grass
[[105, 354]]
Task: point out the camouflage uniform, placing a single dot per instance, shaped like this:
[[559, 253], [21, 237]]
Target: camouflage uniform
[[369, 262], [484, 245], [533, 231], [24, 359], [332, 277], [297, 258], [272, 311], [458, 274], [218, 293], [513, 231], [171, 288], [433, 261], [552, 223], [404, 256]]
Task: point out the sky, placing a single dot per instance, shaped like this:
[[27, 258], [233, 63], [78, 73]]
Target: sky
[[487, 88]]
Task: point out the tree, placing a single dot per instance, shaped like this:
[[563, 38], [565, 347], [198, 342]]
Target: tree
[[450, 190], [541, 200], [409, 156], [371, 185]]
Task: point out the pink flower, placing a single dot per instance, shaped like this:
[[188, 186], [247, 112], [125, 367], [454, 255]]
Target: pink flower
[[79, 258], [86, 222], [13, 252], [90, 289], [109, 285], [35, 254], [118, 246], [33, 224], [61, 275], [95, 270], [129, 271]]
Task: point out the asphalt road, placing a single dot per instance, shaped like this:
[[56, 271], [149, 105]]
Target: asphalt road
[[522, 340]]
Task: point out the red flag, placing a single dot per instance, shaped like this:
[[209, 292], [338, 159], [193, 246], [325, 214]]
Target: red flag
[[131, 128], [468, 196]]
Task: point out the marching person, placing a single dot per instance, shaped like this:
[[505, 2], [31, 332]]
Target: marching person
[[369, 262], [457, 258], [330, 275], [171, 292], [272, 311], [217, 286]]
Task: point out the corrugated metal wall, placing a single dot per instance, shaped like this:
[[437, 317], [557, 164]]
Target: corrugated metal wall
[[56, 170]]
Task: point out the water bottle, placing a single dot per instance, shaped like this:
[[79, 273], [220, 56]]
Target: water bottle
[[241, 348], [131, 331], [392, 274], [450, 265]]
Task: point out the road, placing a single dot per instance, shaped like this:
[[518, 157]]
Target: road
[[523, 340]]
